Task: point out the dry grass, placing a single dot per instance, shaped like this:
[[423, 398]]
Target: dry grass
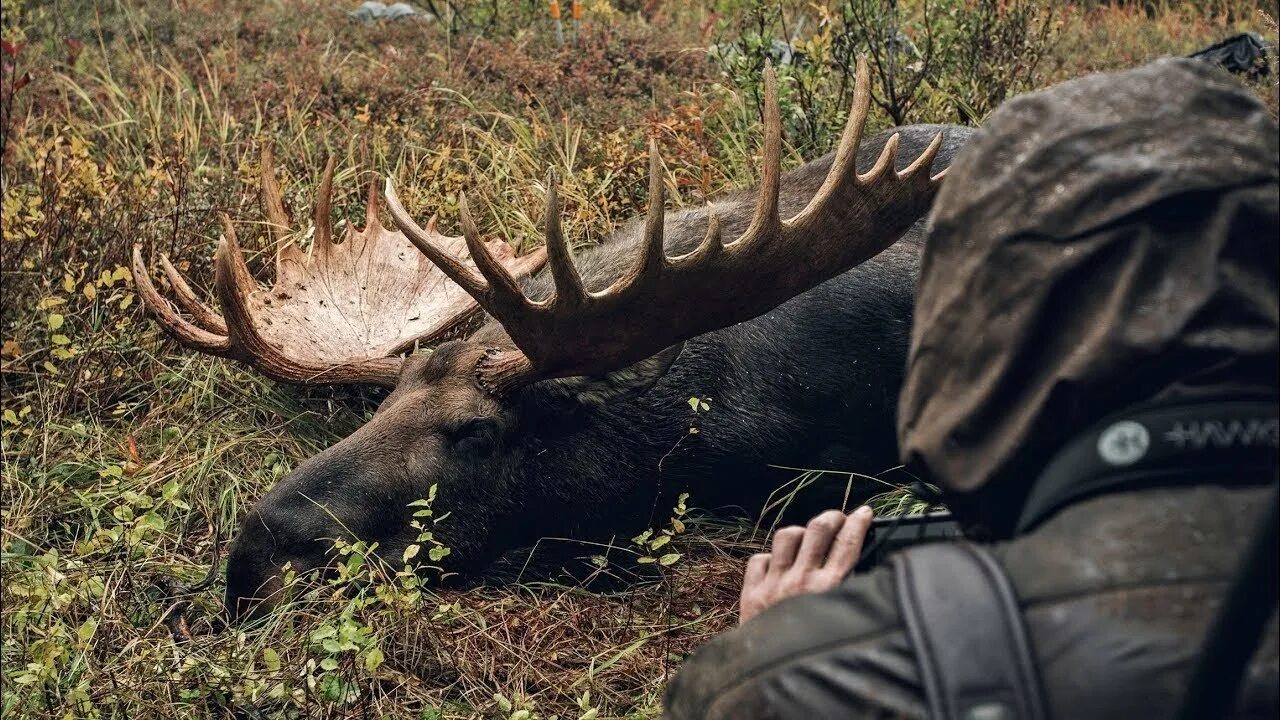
[[127, 462]]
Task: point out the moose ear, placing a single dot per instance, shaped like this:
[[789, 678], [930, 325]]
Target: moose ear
[[629, 382]]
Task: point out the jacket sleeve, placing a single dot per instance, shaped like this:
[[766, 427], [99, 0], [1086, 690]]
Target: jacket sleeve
[[839, 654]]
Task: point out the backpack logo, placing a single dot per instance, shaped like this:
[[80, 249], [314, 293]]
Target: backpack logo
[[1123, 443]]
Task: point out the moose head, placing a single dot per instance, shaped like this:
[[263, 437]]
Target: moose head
[[483, 418]]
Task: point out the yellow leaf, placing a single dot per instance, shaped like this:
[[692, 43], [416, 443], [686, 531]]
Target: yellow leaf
[[122, 273], [61, 340], [55, 321], [89, 293], [68, 283], [106, 279], [50, 368]]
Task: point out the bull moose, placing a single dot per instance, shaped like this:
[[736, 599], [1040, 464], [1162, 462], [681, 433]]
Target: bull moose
[[566, 413]]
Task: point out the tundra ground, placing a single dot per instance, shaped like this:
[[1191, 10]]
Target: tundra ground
[[127, 461]]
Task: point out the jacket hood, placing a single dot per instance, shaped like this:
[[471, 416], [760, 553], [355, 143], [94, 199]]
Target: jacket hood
[[1103, 243]]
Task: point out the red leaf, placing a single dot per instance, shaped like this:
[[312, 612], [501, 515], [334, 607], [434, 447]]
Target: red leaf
[[74, 48], [11, 49]]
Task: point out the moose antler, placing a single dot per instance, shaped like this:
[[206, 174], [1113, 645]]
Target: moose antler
[[662, 300], [340, 314]]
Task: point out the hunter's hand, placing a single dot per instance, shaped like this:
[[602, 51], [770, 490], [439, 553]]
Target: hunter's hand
[[809, 559]]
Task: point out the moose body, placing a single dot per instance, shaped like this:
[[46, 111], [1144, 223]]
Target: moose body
[[812, 383]]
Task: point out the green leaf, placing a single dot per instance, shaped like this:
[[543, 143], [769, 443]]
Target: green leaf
[[271, 659], [645, 560], [438, 553], [328, 664], [642, 538], [411, 551], [373, 659], [61, 340], [668, 559], [660, 541], [87, 629], [322, 632], [331, 689], [55, 321]]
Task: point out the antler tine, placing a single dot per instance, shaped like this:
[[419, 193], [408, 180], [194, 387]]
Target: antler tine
[[371, 203], [188, 334], [845, 163], [925, 161], [712, 243], [653, 255], [323, 237], [766, 221], [233, 283], [501, 283], [423, 240], [272, 206], [884, 163], [371, 193], [204, 315], [569, 289]]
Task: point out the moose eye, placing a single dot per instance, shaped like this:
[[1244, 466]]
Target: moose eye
[[476, 436]]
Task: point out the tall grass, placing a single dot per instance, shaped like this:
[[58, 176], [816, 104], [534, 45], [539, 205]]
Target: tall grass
[[127, 462]]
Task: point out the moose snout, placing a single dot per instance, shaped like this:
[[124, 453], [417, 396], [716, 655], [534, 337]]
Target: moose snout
[[272, 538]]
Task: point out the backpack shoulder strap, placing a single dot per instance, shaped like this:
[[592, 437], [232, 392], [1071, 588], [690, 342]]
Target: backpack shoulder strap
[[963, 621]]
